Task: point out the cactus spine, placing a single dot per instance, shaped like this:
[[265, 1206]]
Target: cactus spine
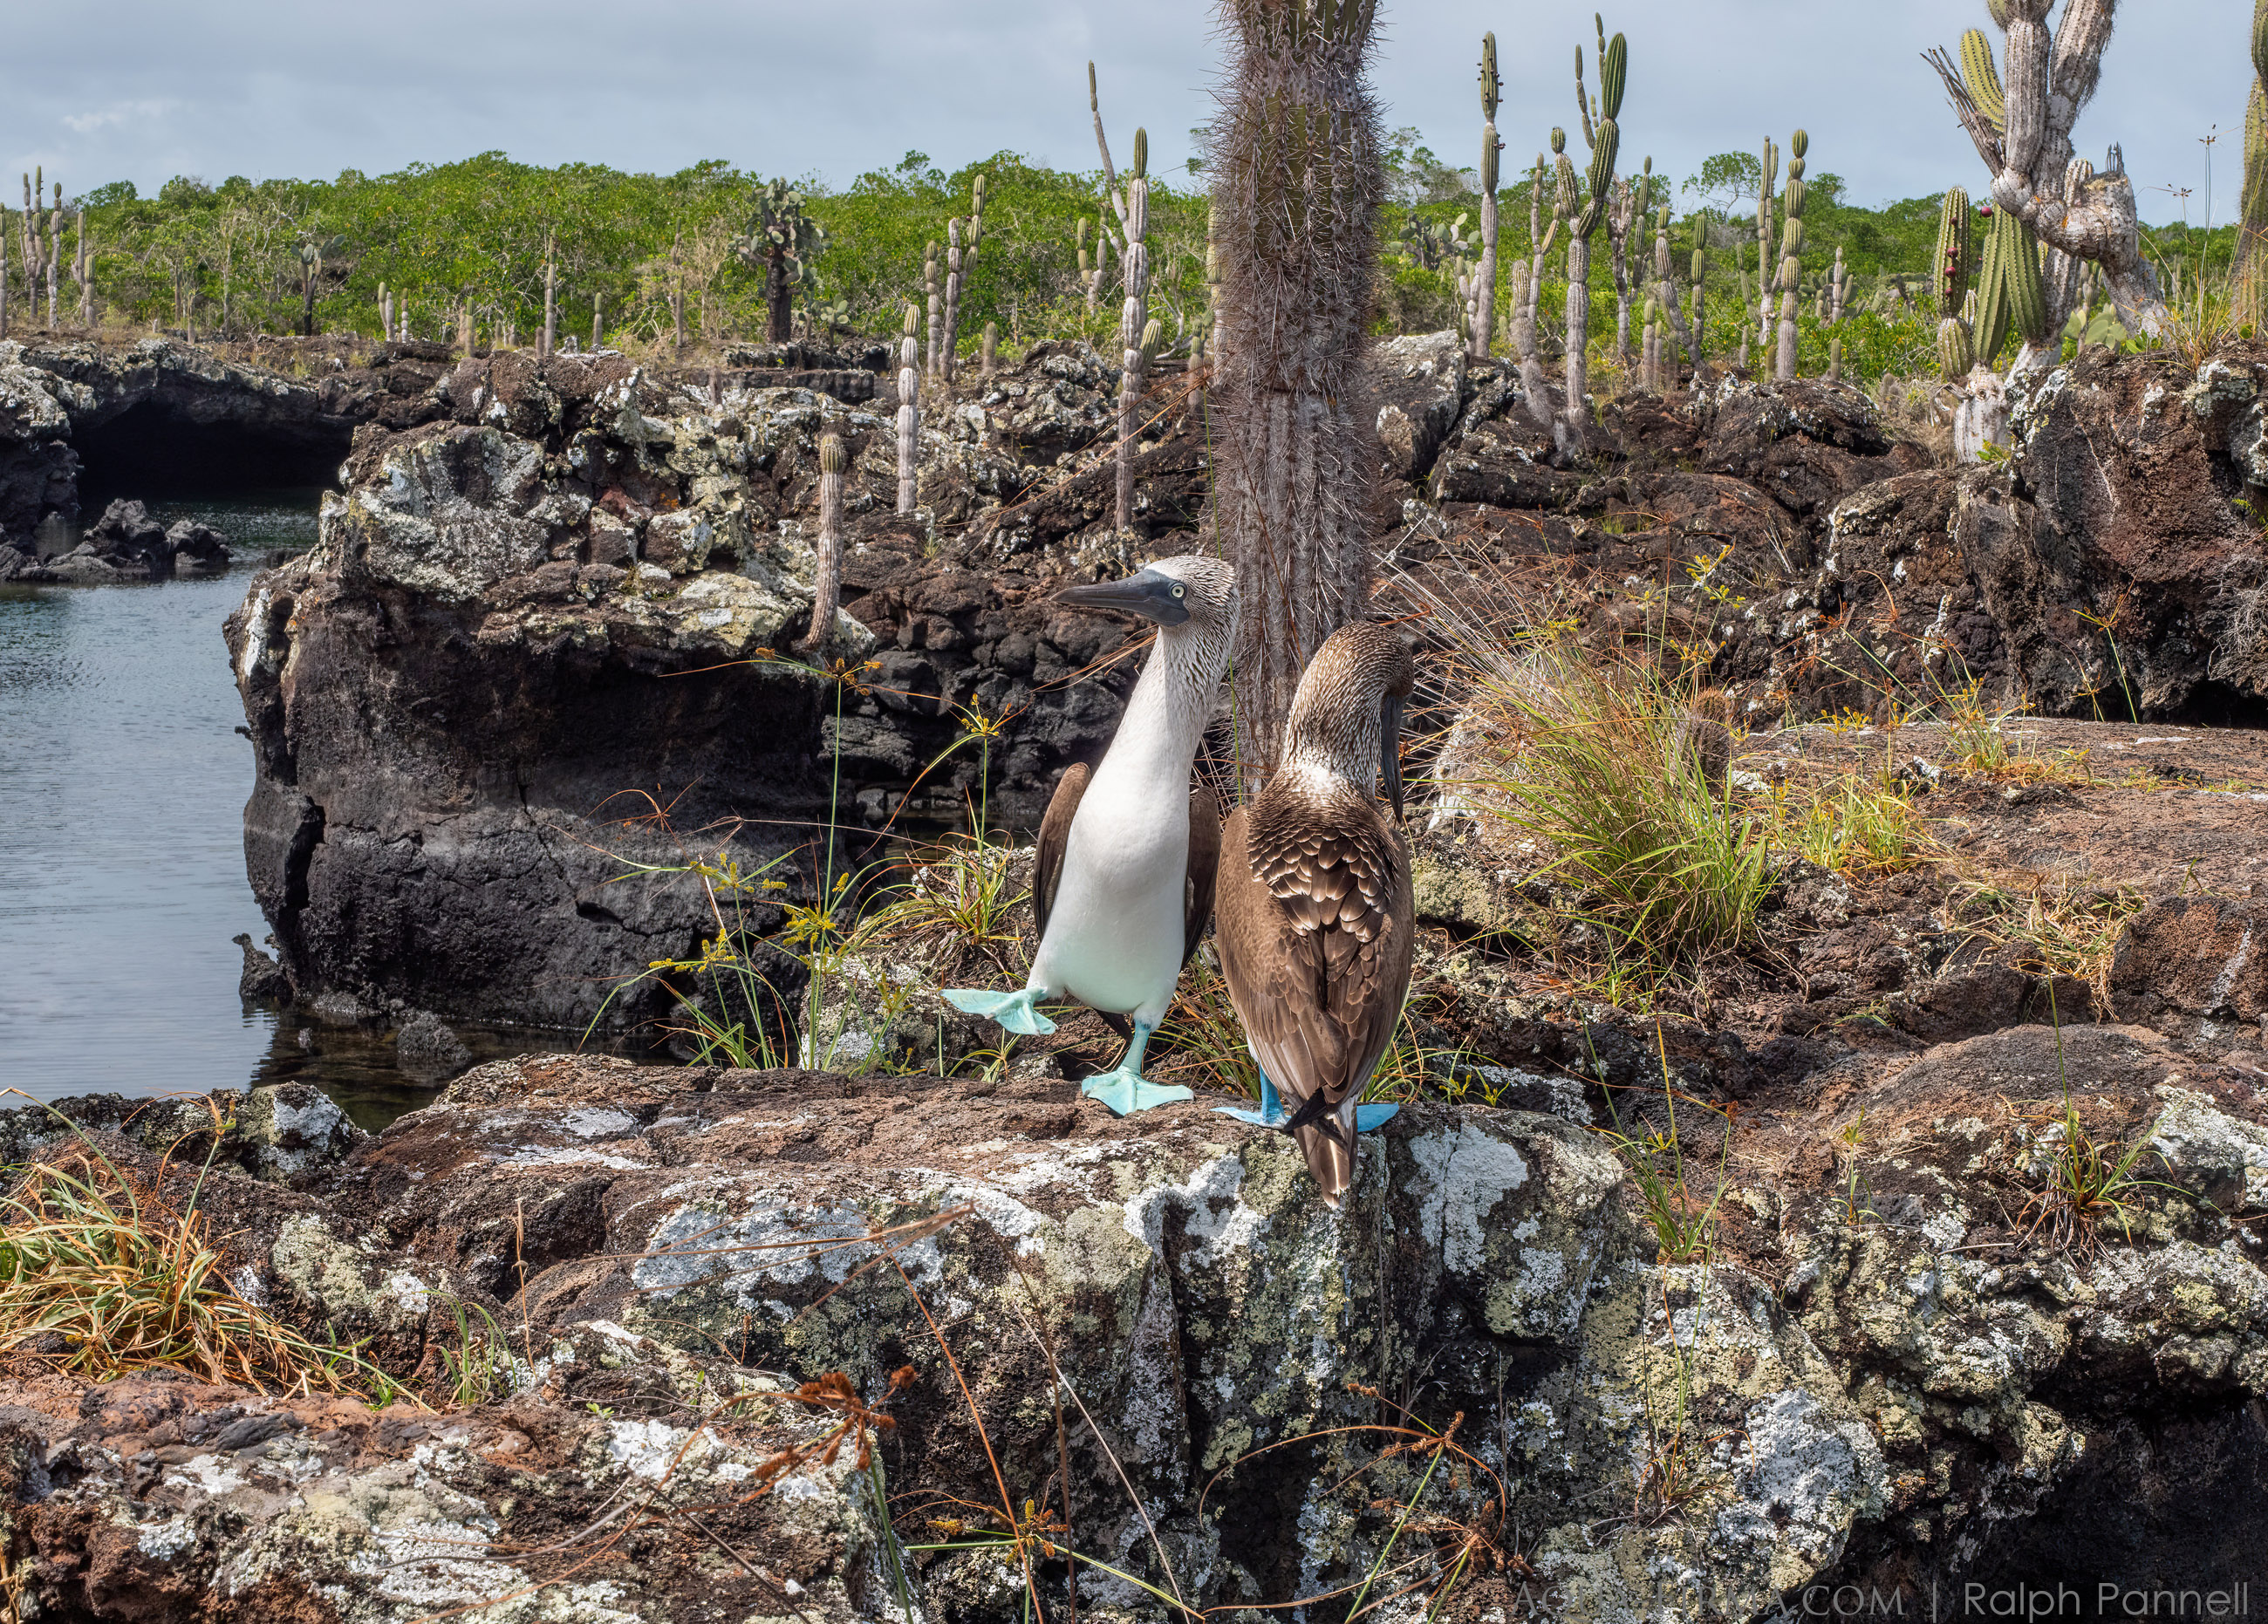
[[1132, 319], [1482, 324], [1297, 182], [1791, 264], [1603, 135], [827, 579], [909, 405]]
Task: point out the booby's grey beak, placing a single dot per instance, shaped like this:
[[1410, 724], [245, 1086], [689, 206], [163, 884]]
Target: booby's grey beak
[[1390, 749], [1150, 593]]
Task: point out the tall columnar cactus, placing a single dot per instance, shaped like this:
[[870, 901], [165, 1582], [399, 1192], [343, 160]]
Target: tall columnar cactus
[[1133, 316], [598, 322], [933, 289], [827, 580], [960, 264], [909, 405], [1767, 259], [1297, 182], [988, 350], [2022, 129], [1670, 334], [1529, 281], [781, 242], [1481, 326], [1700, 269], [1838, 289], [83, 271], [2252, 226], [1603, 135], [1791, 264], [1629, 208], [40, 229], [55, 252], [550, 294]]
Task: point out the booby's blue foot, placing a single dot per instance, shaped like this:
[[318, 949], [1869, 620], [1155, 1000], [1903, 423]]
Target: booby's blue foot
[[1272, 1115], [1128, 1091], [1015, 1012], [1272, 1112]]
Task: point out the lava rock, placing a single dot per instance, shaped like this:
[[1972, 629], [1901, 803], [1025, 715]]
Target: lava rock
[[426, 1051], [263, 980], [197, 548], [127, 536]]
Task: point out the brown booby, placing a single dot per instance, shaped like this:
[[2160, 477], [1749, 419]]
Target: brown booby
[[1313, 900], [1123, 882]]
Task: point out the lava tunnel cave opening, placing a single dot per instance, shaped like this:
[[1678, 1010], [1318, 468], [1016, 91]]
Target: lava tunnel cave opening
[[150, 453]]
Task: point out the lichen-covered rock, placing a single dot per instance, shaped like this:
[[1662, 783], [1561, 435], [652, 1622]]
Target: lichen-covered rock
[[1226, 1335], [152, 1498]]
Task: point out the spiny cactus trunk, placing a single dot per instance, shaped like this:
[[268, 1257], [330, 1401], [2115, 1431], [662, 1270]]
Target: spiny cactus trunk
[[1296, 184], [597, 321], [827, 584], [1133, 318], [550, 302], [909, 408], [1483, 324], [1578, 415]]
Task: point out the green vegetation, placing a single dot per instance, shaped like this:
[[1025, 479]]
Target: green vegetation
[[243, 258], [226, 259]]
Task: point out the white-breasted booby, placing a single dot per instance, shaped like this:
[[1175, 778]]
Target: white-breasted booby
[[1313, 902], [1123, 882]]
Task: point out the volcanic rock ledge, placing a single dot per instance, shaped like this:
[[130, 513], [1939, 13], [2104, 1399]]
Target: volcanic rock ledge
[[1913, 1394]]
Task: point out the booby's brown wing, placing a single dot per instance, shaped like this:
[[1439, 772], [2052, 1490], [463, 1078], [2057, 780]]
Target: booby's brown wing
[[1204, 862], [1315, 938], [1055, 835]]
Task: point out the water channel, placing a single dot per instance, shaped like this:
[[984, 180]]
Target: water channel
[[123, 776]]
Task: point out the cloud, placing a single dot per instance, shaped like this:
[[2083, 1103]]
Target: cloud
[[259, 87], [116, 112]]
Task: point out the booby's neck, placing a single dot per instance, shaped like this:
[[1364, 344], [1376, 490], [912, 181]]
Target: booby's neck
[[1172, 702], [1343, 743]]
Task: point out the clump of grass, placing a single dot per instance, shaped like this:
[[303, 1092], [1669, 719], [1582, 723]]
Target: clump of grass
[[2088, 1184], [2064, 929], [1608, 775], [101, 1275], [1681, 1213], [1855, 824]]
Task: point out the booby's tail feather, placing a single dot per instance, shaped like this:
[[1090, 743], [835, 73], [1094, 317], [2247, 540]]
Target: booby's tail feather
[[1015, 1012], [1329, 1157]]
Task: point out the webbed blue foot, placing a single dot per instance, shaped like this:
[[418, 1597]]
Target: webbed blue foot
[[1272, 1115], [1014, 1011], [1126, 1089]]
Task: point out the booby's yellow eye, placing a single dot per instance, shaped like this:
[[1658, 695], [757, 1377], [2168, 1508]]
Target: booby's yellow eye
[[1178, 592]]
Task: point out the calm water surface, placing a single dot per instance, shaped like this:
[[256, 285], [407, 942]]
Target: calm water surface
[[122, 784]]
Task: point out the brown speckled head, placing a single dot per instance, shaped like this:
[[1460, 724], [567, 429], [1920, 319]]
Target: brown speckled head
[[1352, 690]]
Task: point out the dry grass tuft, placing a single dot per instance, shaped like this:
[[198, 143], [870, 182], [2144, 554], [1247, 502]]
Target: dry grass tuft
[[101, 1275]]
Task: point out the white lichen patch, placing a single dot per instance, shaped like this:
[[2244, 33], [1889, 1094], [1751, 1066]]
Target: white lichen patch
[[1461, 1177]]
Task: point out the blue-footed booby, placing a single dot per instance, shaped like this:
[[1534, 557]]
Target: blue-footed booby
[[1313, 898], [1123, 881]]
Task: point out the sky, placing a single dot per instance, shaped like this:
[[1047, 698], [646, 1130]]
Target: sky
[[143, 90]]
